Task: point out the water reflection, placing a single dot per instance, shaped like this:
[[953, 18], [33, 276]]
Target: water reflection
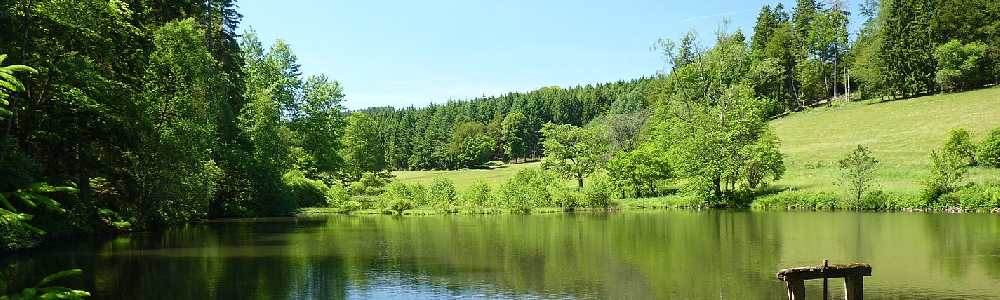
[[626, 255]]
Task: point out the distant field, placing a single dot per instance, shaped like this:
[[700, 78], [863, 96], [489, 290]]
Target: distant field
[[900, 134], [465, 178]]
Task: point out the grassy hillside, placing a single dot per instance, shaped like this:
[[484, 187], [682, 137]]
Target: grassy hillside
[[900, 134]]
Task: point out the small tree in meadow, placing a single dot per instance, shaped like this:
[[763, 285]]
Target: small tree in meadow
[[858, 169]]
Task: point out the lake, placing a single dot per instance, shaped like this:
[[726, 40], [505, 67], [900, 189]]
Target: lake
[[656, 254]]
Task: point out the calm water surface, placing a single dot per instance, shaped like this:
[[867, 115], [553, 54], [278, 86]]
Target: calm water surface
[[625, 255]]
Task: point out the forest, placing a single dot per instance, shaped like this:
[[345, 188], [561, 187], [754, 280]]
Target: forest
[[132, 114]]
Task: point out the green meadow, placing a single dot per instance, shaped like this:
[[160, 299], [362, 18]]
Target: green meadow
[[901, 134]]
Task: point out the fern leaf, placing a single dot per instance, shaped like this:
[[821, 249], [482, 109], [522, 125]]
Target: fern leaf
[[55, 276]]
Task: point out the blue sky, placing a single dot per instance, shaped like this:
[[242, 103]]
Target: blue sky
[[400, 53]]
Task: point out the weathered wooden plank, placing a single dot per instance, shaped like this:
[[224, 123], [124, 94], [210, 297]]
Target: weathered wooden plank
[[854, 288], [831, 271], [796, 289]]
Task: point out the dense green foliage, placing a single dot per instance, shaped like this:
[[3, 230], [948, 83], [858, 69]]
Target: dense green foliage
[[159, 113], [988, 153]]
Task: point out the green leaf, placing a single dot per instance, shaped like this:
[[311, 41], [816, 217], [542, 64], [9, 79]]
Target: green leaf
[[55, 276], [48, 202], [26, 198], [5, 203]]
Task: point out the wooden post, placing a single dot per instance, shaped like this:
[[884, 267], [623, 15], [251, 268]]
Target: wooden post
[[854, 288], [826, 281], [796, 289]]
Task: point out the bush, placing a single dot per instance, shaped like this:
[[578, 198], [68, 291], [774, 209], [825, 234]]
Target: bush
[[598, 193], [337, 196], [803, 199], [304, 191], [975, 197], [946, 173], [874, 200], [701, 189], [397, 198], [442, 194], [528, 188], [478, 194], [988, 153], [960, 147], [565, 197]]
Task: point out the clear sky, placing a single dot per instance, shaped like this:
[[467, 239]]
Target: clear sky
[[400, 53]]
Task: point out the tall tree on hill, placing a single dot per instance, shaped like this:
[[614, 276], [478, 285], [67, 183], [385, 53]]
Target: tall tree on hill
[[867, 72], [829, 38], [907, 46], [264, 156], [774, 39], [319, 125], [514, 131], [363, 151], [708, 116], [471, 145], [177, 175]]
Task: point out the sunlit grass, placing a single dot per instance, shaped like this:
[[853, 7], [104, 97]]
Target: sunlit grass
[[466, 177], [901, 135]]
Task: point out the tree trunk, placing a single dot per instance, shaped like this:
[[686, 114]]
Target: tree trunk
[[717, 185], [835, 57]]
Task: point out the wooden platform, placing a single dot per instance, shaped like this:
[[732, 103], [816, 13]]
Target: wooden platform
[[853, 275]]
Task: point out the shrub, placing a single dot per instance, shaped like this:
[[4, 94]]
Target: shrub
[[977, 197], [960, 147], [565, 197], [356, 188], [803, 199], [700, 188], [946, 173], [478, 194], [873, 200], [598, 193], [988, 153], [373, 183], [528, 188], [441, 194], [306, 192], [337, 196], [418, 193], [397, 198], [351, 205], [960, 66]]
